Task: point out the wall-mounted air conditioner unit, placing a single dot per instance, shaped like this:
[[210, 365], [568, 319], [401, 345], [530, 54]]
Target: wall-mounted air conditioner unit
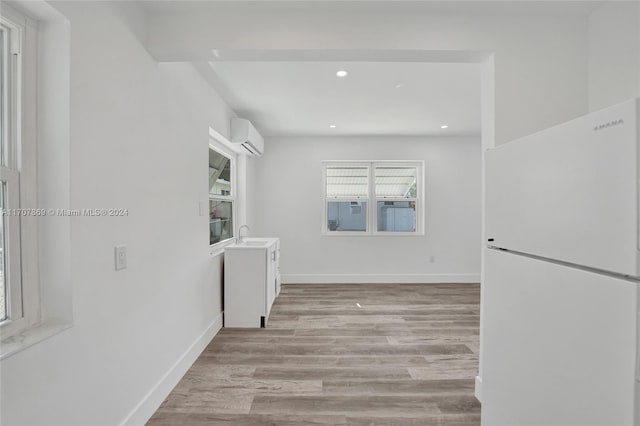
[[244, 134]]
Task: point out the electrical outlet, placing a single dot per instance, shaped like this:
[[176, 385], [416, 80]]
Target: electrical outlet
[[432, 259], [121, 257]]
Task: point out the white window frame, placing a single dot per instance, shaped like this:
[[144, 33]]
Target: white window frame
[[356, 164], [232, 197], [18, 173], [372, 200]]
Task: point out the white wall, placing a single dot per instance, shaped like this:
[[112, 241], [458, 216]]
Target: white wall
[[289, 205], [139, 138], [614, 53]]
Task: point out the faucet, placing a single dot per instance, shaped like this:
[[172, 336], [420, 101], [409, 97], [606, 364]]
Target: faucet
[[239, 240]]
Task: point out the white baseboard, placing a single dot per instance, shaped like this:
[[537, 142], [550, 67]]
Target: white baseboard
[[478, 389], [379, 278], [152, 400]]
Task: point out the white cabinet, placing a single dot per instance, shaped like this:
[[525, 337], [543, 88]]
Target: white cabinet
[[251, 281]]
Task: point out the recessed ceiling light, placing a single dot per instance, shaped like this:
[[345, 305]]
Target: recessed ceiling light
[[444, 126], [332, 126], [342, 73], [399, 85]]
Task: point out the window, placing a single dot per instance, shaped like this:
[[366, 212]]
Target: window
[[396, 197], [379, 198], [19, 304], [221, 195], [34, 51], [347, 190]]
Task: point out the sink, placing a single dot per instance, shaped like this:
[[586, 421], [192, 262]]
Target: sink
[[248, 242], [253, 243]]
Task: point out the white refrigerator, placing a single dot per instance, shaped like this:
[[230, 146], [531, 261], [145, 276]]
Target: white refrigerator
[[560, 308]]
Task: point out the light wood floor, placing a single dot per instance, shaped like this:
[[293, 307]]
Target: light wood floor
[[406, 356]]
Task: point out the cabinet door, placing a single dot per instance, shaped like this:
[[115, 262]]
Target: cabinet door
[[244, 287], [271, 277], [277, 268]]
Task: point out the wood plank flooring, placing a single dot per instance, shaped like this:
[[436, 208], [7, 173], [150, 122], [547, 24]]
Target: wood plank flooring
[[352, 354]]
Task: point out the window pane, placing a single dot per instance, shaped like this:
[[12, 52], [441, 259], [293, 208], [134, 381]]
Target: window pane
[[219, 174], [396, 182], [397, 216], [220, 221], [348, 182], [3, 286], [347, 215], [3, 89]]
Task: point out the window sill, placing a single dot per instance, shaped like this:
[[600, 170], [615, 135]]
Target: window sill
[[21, 341]]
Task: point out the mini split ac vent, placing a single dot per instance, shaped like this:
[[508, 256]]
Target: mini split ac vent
[[244, 134]]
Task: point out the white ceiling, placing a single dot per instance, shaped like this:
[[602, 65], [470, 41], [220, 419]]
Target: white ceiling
[[459, 7], [304, 98], [297, 92]]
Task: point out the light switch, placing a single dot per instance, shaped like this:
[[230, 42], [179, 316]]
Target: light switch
[[121, 257]]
